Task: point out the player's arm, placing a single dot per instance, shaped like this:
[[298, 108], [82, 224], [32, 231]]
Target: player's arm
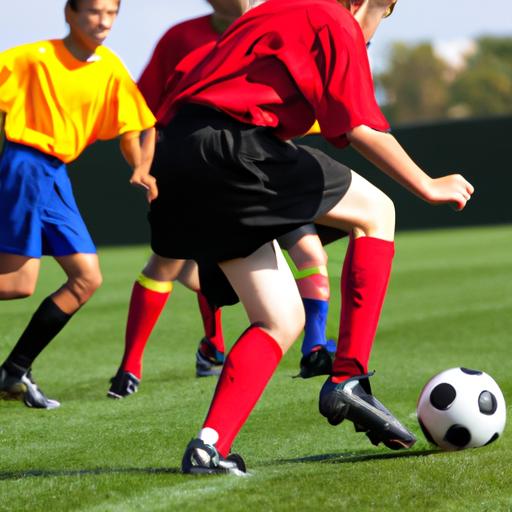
[[370, 13], [138, 149], [384, 151]]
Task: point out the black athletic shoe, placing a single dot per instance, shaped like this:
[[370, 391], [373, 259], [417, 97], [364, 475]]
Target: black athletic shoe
[[204, 459], [209, 360], [21, 386], [123, 384], [353, 400], [317, 362]]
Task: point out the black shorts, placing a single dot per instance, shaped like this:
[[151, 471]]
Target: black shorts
[[226, 188]]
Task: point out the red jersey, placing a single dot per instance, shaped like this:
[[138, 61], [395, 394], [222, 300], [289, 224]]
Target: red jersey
[[177, 42], [284, 64]]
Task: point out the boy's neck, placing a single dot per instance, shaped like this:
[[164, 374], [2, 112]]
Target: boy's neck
[[79, 51], [221, 22]]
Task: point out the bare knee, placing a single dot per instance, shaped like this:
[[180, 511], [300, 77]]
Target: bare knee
[[162, 269], [380, 222], [308, 256], [287, 327], [85, 284]]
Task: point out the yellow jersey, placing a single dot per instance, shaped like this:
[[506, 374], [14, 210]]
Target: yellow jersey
[[59, 105]]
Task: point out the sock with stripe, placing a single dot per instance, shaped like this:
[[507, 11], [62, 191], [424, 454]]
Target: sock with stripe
[[147, 301], [313, 284]]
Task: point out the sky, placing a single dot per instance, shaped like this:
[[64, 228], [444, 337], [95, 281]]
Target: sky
[[449, 24]]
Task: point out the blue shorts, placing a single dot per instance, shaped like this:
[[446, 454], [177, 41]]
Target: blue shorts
[[38, 213]]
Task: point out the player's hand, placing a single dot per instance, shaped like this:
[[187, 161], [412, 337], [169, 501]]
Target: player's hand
[[144, 180], [454, 190]]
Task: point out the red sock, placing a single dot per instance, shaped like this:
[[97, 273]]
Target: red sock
[[241, 384], [145, 308], [364, 281], [212, 322]]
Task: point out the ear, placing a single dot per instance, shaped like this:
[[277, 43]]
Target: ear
[[67, 13]]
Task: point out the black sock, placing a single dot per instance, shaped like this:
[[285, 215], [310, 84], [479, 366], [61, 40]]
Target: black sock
[[45, 324]]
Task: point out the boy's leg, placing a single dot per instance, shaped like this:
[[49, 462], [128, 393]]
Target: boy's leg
[[267, 290], [52, 315], [18, 276], [149, 296], [210, 353], [347, 393], [308, 261]]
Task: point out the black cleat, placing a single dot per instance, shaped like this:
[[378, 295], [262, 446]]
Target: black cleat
[[353, 400], [21, 386], [123, 384], [204, 459], [317, 362], [209, 360]]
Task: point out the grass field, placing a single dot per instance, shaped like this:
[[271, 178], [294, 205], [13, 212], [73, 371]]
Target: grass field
[[449, 304]]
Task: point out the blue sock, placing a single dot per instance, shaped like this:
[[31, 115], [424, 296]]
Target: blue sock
[[316, 322]]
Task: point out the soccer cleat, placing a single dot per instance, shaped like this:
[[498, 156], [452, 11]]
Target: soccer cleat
[[317, 362], [204, 459], [209, 360], [353, 400], [21, 386], [123, 384]]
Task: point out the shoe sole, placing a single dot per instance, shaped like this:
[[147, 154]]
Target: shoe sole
[[378, 426]]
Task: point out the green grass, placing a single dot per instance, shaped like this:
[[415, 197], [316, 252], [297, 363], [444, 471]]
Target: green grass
[[449, 304]]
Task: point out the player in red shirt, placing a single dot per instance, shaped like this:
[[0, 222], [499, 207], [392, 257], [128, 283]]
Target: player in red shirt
[[153, 286], [231, 182]]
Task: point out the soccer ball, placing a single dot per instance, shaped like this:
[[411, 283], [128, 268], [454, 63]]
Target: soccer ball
[[461, 408]]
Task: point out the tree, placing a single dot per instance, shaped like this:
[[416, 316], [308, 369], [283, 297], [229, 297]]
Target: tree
[[415, 84], [484, 86]]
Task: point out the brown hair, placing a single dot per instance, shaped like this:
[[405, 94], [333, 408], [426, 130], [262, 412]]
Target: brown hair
[[73, 4]]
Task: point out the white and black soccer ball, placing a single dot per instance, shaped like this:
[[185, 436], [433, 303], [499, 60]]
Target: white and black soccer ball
[[461, 408]]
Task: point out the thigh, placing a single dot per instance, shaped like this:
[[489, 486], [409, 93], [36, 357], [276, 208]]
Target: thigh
[[364, 209], [80, 265], [304, 247], [267, 289]]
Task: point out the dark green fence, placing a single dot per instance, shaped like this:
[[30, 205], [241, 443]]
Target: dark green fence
[[479, 149]]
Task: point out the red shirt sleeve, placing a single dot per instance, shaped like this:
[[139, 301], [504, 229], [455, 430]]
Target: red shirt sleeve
[[348, 96]]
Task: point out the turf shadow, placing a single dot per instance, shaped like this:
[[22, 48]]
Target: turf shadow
[[34, 473], [343, 458]]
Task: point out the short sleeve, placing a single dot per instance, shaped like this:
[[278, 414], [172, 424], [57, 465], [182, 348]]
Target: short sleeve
[[126, 109], [348, 98], [9, 79]]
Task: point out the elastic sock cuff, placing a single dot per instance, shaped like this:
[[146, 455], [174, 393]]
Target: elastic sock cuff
[[153, 285]]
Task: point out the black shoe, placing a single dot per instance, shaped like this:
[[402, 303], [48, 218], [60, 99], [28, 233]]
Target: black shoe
[[317, 362], [123, 384], [204, 459], [21, 386], [209, 360], [353, 400]]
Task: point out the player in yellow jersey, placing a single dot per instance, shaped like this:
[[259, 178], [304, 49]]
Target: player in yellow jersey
[[57, 97]]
